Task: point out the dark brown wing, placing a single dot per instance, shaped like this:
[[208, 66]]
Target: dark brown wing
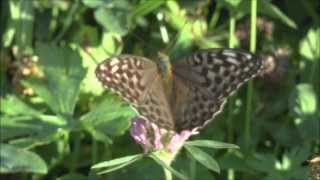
[[211, 76]]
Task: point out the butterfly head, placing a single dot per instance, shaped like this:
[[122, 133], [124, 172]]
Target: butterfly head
[[164, 64]]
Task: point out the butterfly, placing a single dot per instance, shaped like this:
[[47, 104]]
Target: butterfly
[[182, 95]]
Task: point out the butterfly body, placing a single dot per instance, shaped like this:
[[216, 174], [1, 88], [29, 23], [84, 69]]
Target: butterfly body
[[184, 94]]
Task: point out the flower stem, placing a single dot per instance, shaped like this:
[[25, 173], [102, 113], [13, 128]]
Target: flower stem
[[167, 158]]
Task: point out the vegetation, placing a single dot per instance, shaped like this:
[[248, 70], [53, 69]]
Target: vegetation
[[57, 121]]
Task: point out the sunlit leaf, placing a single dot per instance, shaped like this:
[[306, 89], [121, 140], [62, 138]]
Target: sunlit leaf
[[304, 100], [310, 45]]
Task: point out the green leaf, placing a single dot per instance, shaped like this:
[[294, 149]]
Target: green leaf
[[10, 30], [304, 100], [203, 158], [109, 46], [211, 144], [117, 161], [114, 20], [267, 8], [173, 171], [116, 164], [15, 160], [63, 74], [27, 131], [145, 8], [310, 45], [110, 116], [12, 105]]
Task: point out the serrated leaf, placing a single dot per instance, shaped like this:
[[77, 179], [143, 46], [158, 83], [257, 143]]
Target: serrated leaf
[[173, 171], [211, 144], [203, 158], [14, 160], [63, 74]]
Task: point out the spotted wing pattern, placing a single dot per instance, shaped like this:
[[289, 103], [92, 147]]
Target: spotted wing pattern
[[211, 76], [127, 75], [137, 80], [201, 82]]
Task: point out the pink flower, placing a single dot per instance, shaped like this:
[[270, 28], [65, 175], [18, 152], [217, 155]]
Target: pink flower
[[151, 137]]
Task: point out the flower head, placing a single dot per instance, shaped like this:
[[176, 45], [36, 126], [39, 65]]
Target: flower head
[[151, 137]]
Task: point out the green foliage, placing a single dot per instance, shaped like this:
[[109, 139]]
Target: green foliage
[[18, 160], [58, 122]]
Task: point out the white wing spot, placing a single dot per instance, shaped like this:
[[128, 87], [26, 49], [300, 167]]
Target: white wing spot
[[246, 69], [229, 53], [124, 67], [102, 67], [211, 75], [134, 79], [114, 69], [218, 61], [232, 60], [125, 75], [196, 59], [102, 75], [248, 56], [114, 61]]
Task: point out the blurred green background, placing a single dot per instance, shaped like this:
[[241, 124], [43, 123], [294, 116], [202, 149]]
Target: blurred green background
[[57, 120]]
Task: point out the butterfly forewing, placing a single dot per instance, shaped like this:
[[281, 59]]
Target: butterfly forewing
[[211, 76], [137, 80], [127, 75]]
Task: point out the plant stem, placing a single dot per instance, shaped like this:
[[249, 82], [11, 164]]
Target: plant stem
[[76, 152], [166, 158], [232, 28], [232, 43], [253, 33]]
